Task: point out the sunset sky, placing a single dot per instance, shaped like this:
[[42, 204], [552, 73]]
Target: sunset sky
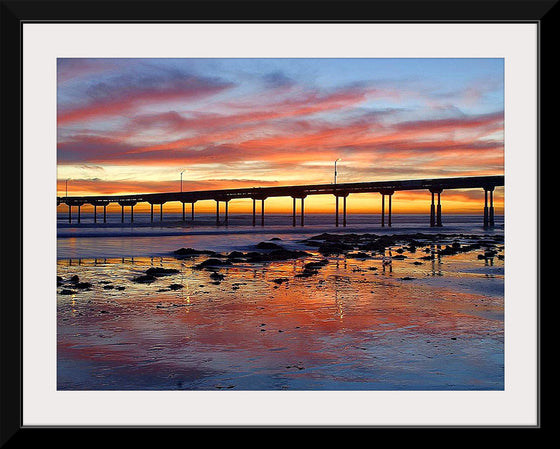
[[132, 125]]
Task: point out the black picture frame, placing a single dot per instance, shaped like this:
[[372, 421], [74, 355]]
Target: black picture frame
[[16, 13]]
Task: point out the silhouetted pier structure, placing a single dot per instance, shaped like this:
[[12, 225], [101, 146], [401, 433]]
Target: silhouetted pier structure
[[300, 192]]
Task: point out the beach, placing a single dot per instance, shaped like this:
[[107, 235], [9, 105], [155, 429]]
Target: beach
[[280, 308]]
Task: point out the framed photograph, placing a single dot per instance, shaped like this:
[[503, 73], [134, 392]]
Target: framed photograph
[[327, 218]]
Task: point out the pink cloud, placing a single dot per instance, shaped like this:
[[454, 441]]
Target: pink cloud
[[127, 95]]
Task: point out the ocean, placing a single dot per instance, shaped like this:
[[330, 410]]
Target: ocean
[[142, 238]]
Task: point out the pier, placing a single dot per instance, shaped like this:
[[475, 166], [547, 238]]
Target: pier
[[341, 191]]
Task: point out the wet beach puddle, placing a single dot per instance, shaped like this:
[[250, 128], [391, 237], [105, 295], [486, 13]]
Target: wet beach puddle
[[352, 324]]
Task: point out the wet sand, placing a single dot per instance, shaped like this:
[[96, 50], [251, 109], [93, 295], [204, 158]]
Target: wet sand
[[431, 320]]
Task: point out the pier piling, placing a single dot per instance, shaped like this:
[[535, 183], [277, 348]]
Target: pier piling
[[389, 193], [488, 210], [217, 213], [344, 210], [389, 217], [227, 216], [439, 224], [432, 212], [435, 212], [485, 208], [382, 209], [491, 218], [336, 211]]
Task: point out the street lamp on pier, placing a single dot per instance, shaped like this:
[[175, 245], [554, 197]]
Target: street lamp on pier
[[182, 180], [335, 169]]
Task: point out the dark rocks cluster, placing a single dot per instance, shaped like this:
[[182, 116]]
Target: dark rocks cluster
[[353, 246], [312, 268], [273, 252], [270, 252], [153, 273], [358, 246], [73, 285]]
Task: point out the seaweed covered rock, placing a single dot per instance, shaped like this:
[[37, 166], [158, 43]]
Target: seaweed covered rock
[[159, 271], [144, 279], [217, 276], [328, 248], [378, 244], [235, 255], [189, 252], [213, 263], [275, 255], [312, 268], [268, 245], [67, 291], [280, 281], [358, 255]]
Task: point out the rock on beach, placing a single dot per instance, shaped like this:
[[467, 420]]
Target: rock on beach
[[312, 268], [268, 245], [67, 292], [144, 279], [159, 271], [213, 263], [189, 252]]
